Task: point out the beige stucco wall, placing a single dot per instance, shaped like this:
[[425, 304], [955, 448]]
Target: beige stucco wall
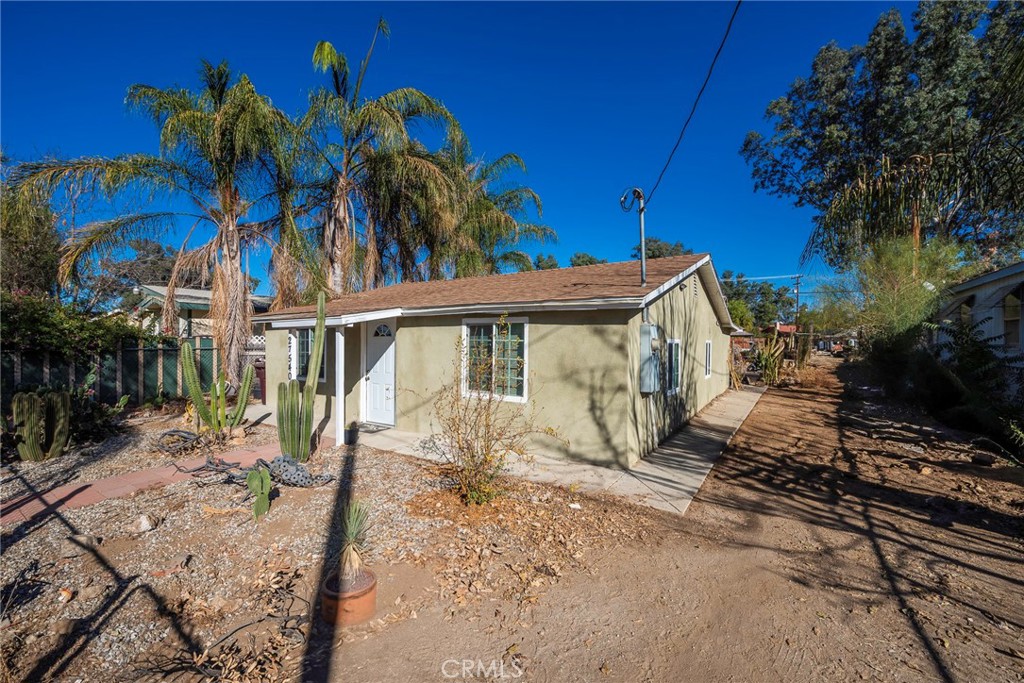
[[576, 379], [278, 368], [583, 374], [682, 315]]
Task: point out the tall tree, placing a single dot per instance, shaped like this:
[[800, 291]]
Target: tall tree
[[581, 258], [542, 262], [30, 242], [216, 144], [494, 215], [924, 136], [365, 164], [659, 248]]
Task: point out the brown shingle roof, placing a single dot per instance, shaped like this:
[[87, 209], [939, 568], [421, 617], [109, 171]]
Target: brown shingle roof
[[582, 283]]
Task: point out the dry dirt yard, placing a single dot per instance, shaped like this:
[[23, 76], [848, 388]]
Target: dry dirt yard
[[837, 539]]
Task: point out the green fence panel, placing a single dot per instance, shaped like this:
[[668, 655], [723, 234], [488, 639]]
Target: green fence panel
[[31, 368], [60, 372], [108, 378], [170, 371], [151, 384], [206, 355], [130, 373], [6, 380]]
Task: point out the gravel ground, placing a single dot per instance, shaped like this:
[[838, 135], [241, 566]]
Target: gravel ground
[[122, 615], [131, 450]]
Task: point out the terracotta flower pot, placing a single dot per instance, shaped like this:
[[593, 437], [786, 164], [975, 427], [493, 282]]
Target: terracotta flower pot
[[354, 604]]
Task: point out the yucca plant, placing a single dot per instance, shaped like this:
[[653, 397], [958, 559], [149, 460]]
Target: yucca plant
[[769, 359], [355, 520]]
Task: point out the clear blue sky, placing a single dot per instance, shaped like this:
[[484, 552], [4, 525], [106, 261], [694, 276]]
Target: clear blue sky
[[590, 95]]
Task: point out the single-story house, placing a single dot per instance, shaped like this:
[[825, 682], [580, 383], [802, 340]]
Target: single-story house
[[193, 309], [613, 365], [993, 301]]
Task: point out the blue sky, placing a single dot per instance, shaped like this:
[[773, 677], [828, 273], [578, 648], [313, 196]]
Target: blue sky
[[590, 95]]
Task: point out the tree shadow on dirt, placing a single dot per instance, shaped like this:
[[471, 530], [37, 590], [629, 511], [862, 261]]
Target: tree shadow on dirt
[[54, 662], [320, 653], [827, 488]]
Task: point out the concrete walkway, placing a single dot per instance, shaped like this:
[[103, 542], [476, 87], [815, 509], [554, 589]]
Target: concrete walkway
[[85, 493], [667, 479]]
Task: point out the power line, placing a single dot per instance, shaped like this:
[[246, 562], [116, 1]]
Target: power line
[[650, 195]]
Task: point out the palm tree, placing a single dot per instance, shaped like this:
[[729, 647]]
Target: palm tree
[[491, 215], [216, 148], [372, 175]]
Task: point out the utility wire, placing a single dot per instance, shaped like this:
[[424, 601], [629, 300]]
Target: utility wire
[[650, 195]]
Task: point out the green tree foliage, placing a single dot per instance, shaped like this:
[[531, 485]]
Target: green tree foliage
[[834, 310], [766, 304], [659, 248], [146, 263], [741, 314], [581, 258], [542, 262], [935, 125], [39, 323], [217, 144], [378, 193], [896, 301], [31, 244], [492, 216]]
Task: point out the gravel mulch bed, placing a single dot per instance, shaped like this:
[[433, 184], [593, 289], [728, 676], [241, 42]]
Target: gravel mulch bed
[[141, 604]]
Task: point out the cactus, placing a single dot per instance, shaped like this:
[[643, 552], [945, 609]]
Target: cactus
[[259, 484], [215, 415], [195, 390], [42, 425], [242, 400], [295, 412]]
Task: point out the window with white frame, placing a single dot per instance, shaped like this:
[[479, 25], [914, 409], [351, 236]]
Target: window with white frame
[[495, 357], [673, 356], [707, 358], [302, 347]]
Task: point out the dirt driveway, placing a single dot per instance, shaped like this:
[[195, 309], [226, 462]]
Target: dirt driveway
[[837, 539]]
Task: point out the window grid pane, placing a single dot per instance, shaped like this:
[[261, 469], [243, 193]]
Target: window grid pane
[[479, 355], [304, 341], [509, 360]]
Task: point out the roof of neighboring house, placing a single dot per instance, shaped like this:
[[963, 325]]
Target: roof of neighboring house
[[781, 328], [604, 285], [1015, 269], [188, 298]]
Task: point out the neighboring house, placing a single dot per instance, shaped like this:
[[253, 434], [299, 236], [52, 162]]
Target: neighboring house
[[992, 300], [742, 340], [193, 309], [576, 347]]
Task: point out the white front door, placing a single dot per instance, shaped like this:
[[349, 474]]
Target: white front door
[[380, 372]]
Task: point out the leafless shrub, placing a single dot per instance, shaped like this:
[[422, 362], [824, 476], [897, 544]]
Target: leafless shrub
[[484, 420]]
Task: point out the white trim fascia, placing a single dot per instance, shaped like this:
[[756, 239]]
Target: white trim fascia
[[987, 278], [333, 321], [656, 293]]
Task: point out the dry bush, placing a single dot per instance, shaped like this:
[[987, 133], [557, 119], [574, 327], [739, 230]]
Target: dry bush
[[479, 431]]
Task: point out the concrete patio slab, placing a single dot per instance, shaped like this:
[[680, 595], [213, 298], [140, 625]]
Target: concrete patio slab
[[667, 479]]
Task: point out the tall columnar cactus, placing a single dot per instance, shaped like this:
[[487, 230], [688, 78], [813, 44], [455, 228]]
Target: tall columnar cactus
[[215, 415], [295, 411], [42, 425]]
